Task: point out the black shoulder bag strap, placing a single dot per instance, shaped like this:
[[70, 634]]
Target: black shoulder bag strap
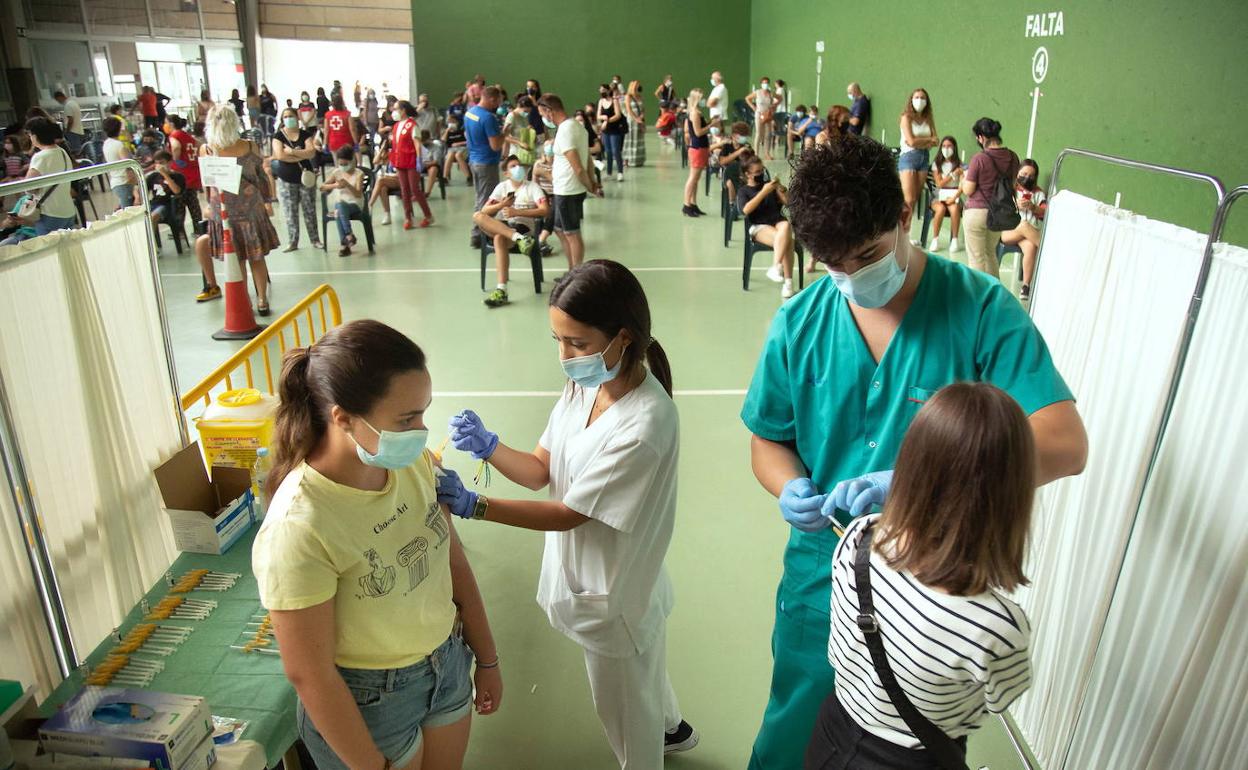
[[943, 748]]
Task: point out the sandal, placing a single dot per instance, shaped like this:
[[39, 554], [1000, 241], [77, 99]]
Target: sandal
[[262, 308]]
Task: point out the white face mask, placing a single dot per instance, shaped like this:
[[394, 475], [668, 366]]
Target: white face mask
[[918, 103], [947, 152], [397, 116]]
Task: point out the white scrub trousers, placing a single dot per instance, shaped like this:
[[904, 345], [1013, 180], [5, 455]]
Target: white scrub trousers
[[635, 703]]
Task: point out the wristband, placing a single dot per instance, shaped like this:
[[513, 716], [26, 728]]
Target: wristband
[[488, 665]]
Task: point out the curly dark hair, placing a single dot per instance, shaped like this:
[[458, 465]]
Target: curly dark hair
[[843, 194]]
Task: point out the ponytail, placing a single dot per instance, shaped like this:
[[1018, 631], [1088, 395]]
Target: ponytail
[[656, 359], [300, 422], [351, 367]]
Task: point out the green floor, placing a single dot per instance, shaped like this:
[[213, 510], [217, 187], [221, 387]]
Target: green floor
[[725, 557]]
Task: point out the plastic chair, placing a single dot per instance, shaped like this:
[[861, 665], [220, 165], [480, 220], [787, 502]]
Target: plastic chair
[[177, 225], [365, 216], [1003, 249], [727, 210], [752, 247], [535, 260]]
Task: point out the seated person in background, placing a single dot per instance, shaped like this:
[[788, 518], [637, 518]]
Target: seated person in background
[[430, 161], [761, 204], [16, 160], [666, 122], [947, 173], [510, 216], [543, 174], [837, 125], [811, 127], [345, 185], [953, 548], [385, 184], [732, 152], [165, 187], [146, 148], [1029, 199], [793, 131], [456, 145]]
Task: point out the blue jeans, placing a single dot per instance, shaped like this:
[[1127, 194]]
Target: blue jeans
[[613, 147], [397, 703], [44, 225], [344, 211], [125, 195], [914, 160]]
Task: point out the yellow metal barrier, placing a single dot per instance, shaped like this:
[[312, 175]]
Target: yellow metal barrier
[[323, 299]]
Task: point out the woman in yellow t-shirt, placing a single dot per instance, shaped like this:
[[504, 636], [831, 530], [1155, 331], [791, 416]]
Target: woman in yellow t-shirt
[[361, 568]]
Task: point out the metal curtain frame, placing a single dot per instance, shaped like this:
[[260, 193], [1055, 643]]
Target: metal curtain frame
[[19, 487], [1193, 312]]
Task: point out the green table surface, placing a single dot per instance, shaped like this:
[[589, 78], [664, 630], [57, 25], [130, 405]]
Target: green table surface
[[244, 686]]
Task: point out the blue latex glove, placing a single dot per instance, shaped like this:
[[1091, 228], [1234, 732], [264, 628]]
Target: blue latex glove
[[452, 492], [801, 505], [856, 496], [468, 434]]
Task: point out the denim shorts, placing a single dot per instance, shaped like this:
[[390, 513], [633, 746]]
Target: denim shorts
[[914, 160], [397, 703]]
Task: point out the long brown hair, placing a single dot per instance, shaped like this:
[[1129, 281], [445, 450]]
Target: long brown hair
[[926, 115], [350, 366], [959, 510], [607, 296], [838, 118]]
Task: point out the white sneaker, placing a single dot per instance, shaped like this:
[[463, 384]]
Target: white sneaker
[[954, 245], [619, 177], [913, 242], [774, 275], [934, 245], [385, 218], [786, 291]]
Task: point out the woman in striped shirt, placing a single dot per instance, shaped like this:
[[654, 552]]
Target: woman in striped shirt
[[947, 547]]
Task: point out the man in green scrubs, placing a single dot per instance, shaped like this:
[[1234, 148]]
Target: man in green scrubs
[[845, 367]]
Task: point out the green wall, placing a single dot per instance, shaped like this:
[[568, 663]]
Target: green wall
[[573, 46], [1149, 80]]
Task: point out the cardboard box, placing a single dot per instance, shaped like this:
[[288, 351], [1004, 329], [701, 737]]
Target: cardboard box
[[203, 757], [161, 729], [207, 514]]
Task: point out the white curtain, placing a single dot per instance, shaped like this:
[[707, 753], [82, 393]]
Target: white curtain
[[93, 408], [1168, 688], [1111, 296]]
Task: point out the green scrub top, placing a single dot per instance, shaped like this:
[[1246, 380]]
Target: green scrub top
[[817, 386]]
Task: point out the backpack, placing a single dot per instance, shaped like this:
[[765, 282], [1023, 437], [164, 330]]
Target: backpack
[[1002, 210]]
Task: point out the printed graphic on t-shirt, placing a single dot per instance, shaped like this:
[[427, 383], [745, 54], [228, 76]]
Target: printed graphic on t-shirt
[[413, 556], [380, 579]]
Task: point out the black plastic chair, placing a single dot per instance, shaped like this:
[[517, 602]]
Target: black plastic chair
[[1003, 249], [535, 260], [727, 210], [177, 225], [330, 214], [752, 247]]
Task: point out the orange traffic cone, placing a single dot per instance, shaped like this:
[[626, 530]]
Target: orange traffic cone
[[240, 323]]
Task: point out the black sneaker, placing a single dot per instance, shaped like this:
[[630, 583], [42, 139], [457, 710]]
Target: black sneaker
[[701, 213], [683, 738], [474, 242], [497, 298], [545, 250], [1024, 293], [689, 211]]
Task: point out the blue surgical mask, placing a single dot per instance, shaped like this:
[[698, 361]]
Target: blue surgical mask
[[516, 173], [501, 111], [591, 371], [548, 123], [876, 284], [395, 449]]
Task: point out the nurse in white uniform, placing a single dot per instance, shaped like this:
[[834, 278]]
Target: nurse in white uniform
[[609, 456]]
